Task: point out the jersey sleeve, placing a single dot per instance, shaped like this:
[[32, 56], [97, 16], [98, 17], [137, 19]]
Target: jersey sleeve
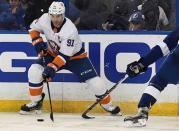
[[171, 41], [38, 23], [162, 49], [35, 32], [36, 28]]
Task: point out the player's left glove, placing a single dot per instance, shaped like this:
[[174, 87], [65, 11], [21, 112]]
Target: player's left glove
[[40, 46], [135, 68], [49, 72]]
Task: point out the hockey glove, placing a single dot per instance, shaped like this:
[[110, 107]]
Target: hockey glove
[[135, 68], [40, 46], [49, 72]]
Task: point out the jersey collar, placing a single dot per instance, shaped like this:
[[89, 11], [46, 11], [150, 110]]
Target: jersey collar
[[58, 29]]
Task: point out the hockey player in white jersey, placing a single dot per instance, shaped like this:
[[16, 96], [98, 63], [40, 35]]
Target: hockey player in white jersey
[[63, 50]]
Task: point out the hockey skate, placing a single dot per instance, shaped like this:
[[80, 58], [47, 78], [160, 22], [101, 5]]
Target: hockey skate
[[138, 120], [109, 107], [32, 108], [114, 110]]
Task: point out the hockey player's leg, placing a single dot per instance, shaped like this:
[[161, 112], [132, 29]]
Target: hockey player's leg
[[148, 99], [97, 84], [35, 90], [84, 69], [138, 120]]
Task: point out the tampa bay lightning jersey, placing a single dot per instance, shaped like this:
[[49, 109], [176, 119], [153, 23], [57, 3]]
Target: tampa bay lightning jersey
[[163, 48]]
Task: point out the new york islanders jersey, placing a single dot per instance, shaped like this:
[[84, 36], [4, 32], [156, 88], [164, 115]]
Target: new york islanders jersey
[[66, 41]]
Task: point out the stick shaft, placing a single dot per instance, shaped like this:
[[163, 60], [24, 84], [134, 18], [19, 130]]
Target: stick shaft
[[107, 93], [51, 109]]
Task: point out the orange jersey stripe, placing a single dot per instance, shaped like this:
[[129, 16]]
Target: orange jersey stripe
[[35, 92], [34, 34], [83, 55], [106, 100], [37, 41], [59, 61]]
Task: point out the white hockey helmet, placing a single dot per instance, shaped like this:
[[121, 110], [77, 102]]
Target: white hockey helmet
[[56, 8]]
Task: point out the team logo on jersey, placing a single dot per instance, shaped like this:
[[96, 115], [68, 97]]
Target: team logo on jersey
[[53, 46]]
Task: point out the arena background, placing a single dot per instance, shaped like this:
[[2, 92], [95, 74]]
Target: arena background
[[110, 52]]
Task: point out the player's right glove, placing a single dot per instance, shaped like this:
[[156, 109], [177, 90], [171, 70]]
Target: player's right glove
[[135, 68], [40, 46], [49, 72]]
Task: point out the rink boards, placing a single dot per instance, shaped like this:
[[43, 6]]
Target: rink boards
[[110, 53]]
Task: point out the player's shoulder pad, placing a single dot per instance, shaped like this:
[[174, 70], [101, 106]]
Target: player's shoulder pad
[[42, 19], [69, 28]]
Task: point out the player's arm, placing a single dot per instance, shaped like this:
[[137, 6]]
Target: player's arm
[[66, 49], [50, 70], [160, 50], [37, 41], [68, 45], [58, 61]]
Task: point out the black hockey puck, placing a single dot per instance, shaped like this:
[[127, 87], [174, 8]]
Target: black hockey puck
[[40, 120]]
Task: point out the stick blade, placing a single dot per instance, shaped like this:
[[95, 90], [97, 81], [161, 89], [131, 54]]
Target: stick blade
[[51, 117], [87, 117]]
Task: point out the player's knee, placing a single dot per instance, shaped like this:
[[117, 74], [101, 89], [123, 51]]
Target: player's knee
[[35, 73], [97, 84], [158, 82]]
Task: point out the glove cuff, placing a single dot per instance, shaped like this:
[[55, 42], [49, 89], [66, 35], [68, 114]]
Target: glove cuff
[[59, 61], [143, 66], [37, 41], [142, 62], [53, 66]]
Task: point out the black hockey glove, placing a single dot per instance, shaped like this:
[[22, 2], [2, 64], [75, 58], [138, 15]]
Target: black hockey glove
[[135, 68]]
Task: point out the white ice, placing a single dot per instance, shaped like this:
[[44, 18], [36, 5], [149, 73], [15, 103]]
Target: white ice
[[74, 122]]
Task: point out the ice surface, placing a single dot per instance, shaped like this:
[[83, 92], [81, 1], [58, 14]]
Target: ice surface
[[74, 122]]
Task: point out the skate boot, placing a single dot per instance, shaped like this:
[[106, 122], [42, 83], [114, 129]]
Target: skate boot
[[138, 120], [111, 109], [33, 107], [107, 105]]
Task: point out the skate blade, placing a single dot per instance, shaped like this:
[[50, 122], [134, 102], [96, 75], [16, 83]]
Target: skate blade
[[140, 123], [38, 112]]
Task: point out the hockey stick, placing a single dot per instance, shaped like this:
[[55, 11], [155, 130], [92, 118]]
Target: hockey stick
[[85, 116], [50, 100], [51, 110]]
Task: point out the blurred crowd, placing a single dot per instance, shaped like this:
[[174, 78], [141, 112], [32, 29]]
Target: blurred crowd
[[126, 14], [133, 15]]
